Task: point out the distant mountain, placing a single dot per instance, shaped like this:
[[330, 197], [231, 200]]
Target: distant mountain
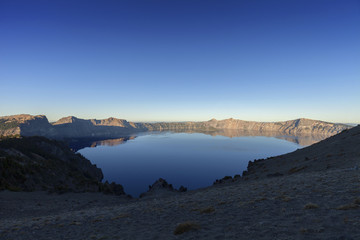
[[293, 127], [68, 127], [72, 127]]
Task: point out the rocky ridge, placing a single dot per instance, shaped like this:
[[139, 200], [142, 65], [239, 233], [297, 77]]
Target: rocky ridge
[[292, 127], [72, 127], [160, 188]]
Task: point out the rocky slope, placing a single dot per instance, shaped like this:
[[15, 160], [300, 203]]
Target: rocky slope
[[72, 127], [339, 151], [37, 163]]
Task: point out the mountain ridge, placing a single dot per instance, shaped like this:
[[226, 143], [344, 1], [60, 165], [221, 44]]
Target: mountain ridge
[[73, 127]]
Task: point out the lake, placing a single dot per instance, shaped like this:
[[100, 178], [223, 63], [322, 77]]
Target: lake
[[193, 160]]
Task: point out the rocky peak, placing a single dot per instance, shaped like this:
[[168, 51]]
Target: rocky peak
[[111, 122], [161, 187], [22, 118], [64, 120]]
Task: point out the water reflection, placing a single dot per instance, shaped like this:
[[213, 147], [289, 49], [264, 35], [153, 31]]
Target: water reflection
[[112, 142], [80, 143], [302, 140]]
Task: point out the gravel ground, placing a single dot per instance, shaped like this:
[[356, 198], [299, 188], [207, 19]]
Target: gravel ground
[[316, 205]]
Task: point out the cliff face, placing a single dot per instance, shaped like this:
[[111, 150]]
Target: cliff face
[[37, 163], [300, 126], [26, 125], [68, 127], [72, 127]]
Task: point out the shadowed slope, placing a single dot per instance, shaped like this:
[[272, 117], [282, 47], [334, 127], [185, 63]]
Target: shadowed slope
[[339, 151]]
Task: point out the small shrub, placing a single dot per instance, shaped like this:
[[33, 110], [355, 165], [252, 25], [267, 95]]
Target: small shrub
[[348, 206], [286, 198], [357, 201], [311, 206], [295, 169], [5, 124], [207, 210], [260, 199], [185, 227]]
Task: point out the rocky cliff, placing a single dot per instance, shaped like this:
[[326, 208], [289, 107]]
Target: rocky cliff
[[26, 125], [72, 127], [37, 163], [293, 127], [68, 127]]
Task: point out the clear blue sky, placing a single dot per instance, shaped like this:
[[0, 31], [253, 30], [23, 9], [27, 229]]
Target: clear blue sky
[[181, 59]]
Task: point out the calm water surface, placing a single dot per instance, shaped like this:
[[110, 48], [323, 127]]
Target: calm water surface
[[193, 160]]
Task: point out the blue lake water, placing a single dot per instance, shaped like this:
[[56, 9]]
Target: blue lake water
[[193, 160]]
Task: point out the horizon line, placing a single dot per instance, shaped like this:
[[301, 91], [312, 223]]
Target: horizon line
[[161, 121]]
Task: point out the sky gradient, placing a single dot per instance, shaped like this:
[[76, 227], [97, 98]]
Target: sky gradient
[[181, 60]]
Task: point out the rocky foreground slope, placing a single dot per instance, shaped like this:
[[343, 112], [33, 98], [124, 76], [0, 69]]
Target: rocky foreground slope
[[37, 163], [339, 151], [72, 127], [311, 193]]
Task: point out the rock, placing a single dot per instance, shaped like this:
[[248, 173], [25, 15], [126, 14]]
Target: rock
[[227, 179], [161, 187], [112, 188], [182, 189]]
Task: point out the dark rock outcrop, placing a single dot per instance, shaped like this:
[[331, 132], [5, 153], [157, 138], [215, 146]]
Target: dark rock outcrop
[[37, 163], [160, 188], [112, 188], [227, 179]]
